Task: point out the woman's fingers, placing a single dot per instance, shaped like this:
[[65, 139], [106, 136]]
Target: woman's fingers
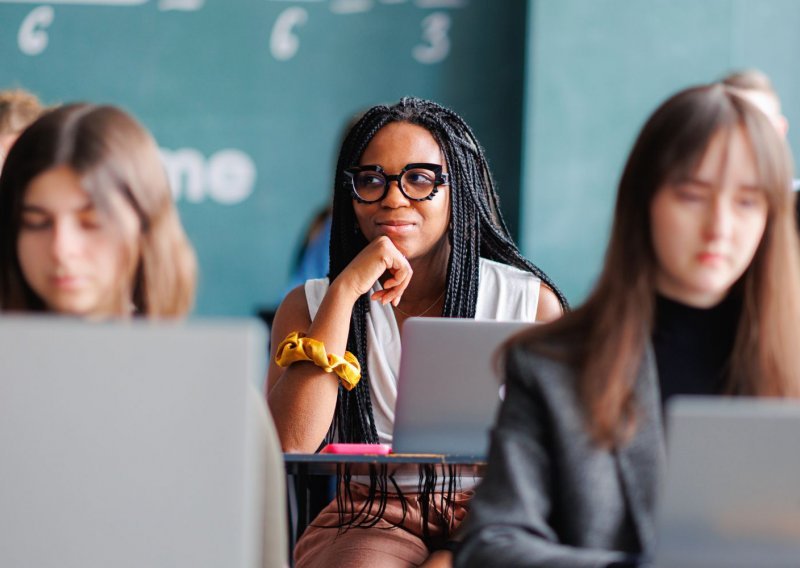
[[401, 272], [393, 288], [379, 296], [379, 257]]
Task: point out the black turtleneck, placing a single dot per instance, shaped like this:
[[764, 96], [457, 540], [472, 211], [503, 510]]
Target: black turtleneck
[[693, 346]]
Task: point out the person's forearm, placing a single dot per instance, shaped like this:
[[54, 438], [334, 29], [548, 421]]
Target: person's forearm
[[303, 400]]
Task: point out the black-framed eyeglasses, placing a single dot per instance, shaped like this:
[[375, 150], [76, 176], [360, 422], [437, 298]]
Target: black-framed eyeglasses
[[417, 182]]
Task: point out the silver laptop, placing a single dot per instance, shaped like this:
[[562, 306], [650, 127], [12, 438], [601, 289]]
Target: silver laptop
[[732, 492], [448, 390], [131, 445]]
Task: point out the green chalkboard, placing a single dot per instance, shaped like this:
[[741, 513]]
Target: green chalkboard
[[247, 98], [595, 71]]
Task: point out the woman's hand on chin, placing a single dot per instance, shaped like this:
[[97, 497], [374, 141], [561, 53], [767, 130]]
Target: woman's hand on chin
[[379, 256]]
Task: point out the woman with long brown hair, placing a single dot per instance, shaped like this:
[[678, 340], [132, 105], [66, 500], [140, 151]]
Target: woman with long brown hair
[[87, 222], [700, 294]]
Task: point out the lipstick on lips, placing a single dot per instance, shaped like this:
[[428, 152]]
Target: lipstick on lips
[[710, 257], [66, 281], [395, 227]]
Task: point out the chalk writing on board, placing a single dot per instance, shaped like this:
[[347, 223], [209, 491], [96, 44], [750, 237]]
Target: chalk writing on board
[[33, 39], [283, 42], [185, 5], [434, 46], [227, 177], [80, 2], [350, 6]]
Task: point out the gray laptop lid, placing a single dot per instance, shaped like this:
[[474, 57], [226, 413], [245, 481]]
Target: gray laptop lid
[[732, 492], [125, 445], [448, 390]]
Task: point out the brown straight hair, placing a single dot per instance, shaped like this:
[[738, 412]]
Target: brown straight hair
[[114, 157], [613, 327], [750, 80]]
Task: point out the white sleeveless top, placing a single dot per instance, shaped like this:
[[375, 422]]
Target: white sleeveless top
[[505, 293]]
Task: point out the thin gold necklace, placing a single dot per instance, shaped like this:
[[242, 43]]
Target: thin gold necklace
[[425, 311]]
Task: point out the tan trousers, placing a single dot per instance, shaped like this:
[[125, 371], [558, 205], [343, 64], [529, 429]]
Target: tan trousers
[[384, 545]]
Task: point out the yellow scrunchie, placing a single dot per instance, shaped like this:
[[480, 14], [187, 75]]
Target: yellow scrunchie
[[297, 347]]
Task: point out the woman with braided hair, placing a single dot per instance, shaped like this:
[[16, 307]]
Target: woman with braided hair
[[416, 231]]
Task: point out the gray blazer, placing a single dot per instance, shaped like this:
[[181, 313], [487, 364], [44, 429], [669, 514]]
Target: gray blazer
[[551, 498]]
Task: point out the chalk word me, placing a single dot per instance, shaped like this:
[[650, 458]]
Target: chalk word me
[[227, 177]]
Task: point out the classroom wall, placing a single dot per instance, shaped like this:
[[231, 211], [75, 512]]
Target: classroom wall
[[247, 99], [595, 69]]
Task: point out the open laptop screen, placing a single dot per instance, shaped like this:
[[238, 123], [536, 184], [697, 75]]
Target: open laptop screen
[[125, 444], [448, 391], [732, 492]]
